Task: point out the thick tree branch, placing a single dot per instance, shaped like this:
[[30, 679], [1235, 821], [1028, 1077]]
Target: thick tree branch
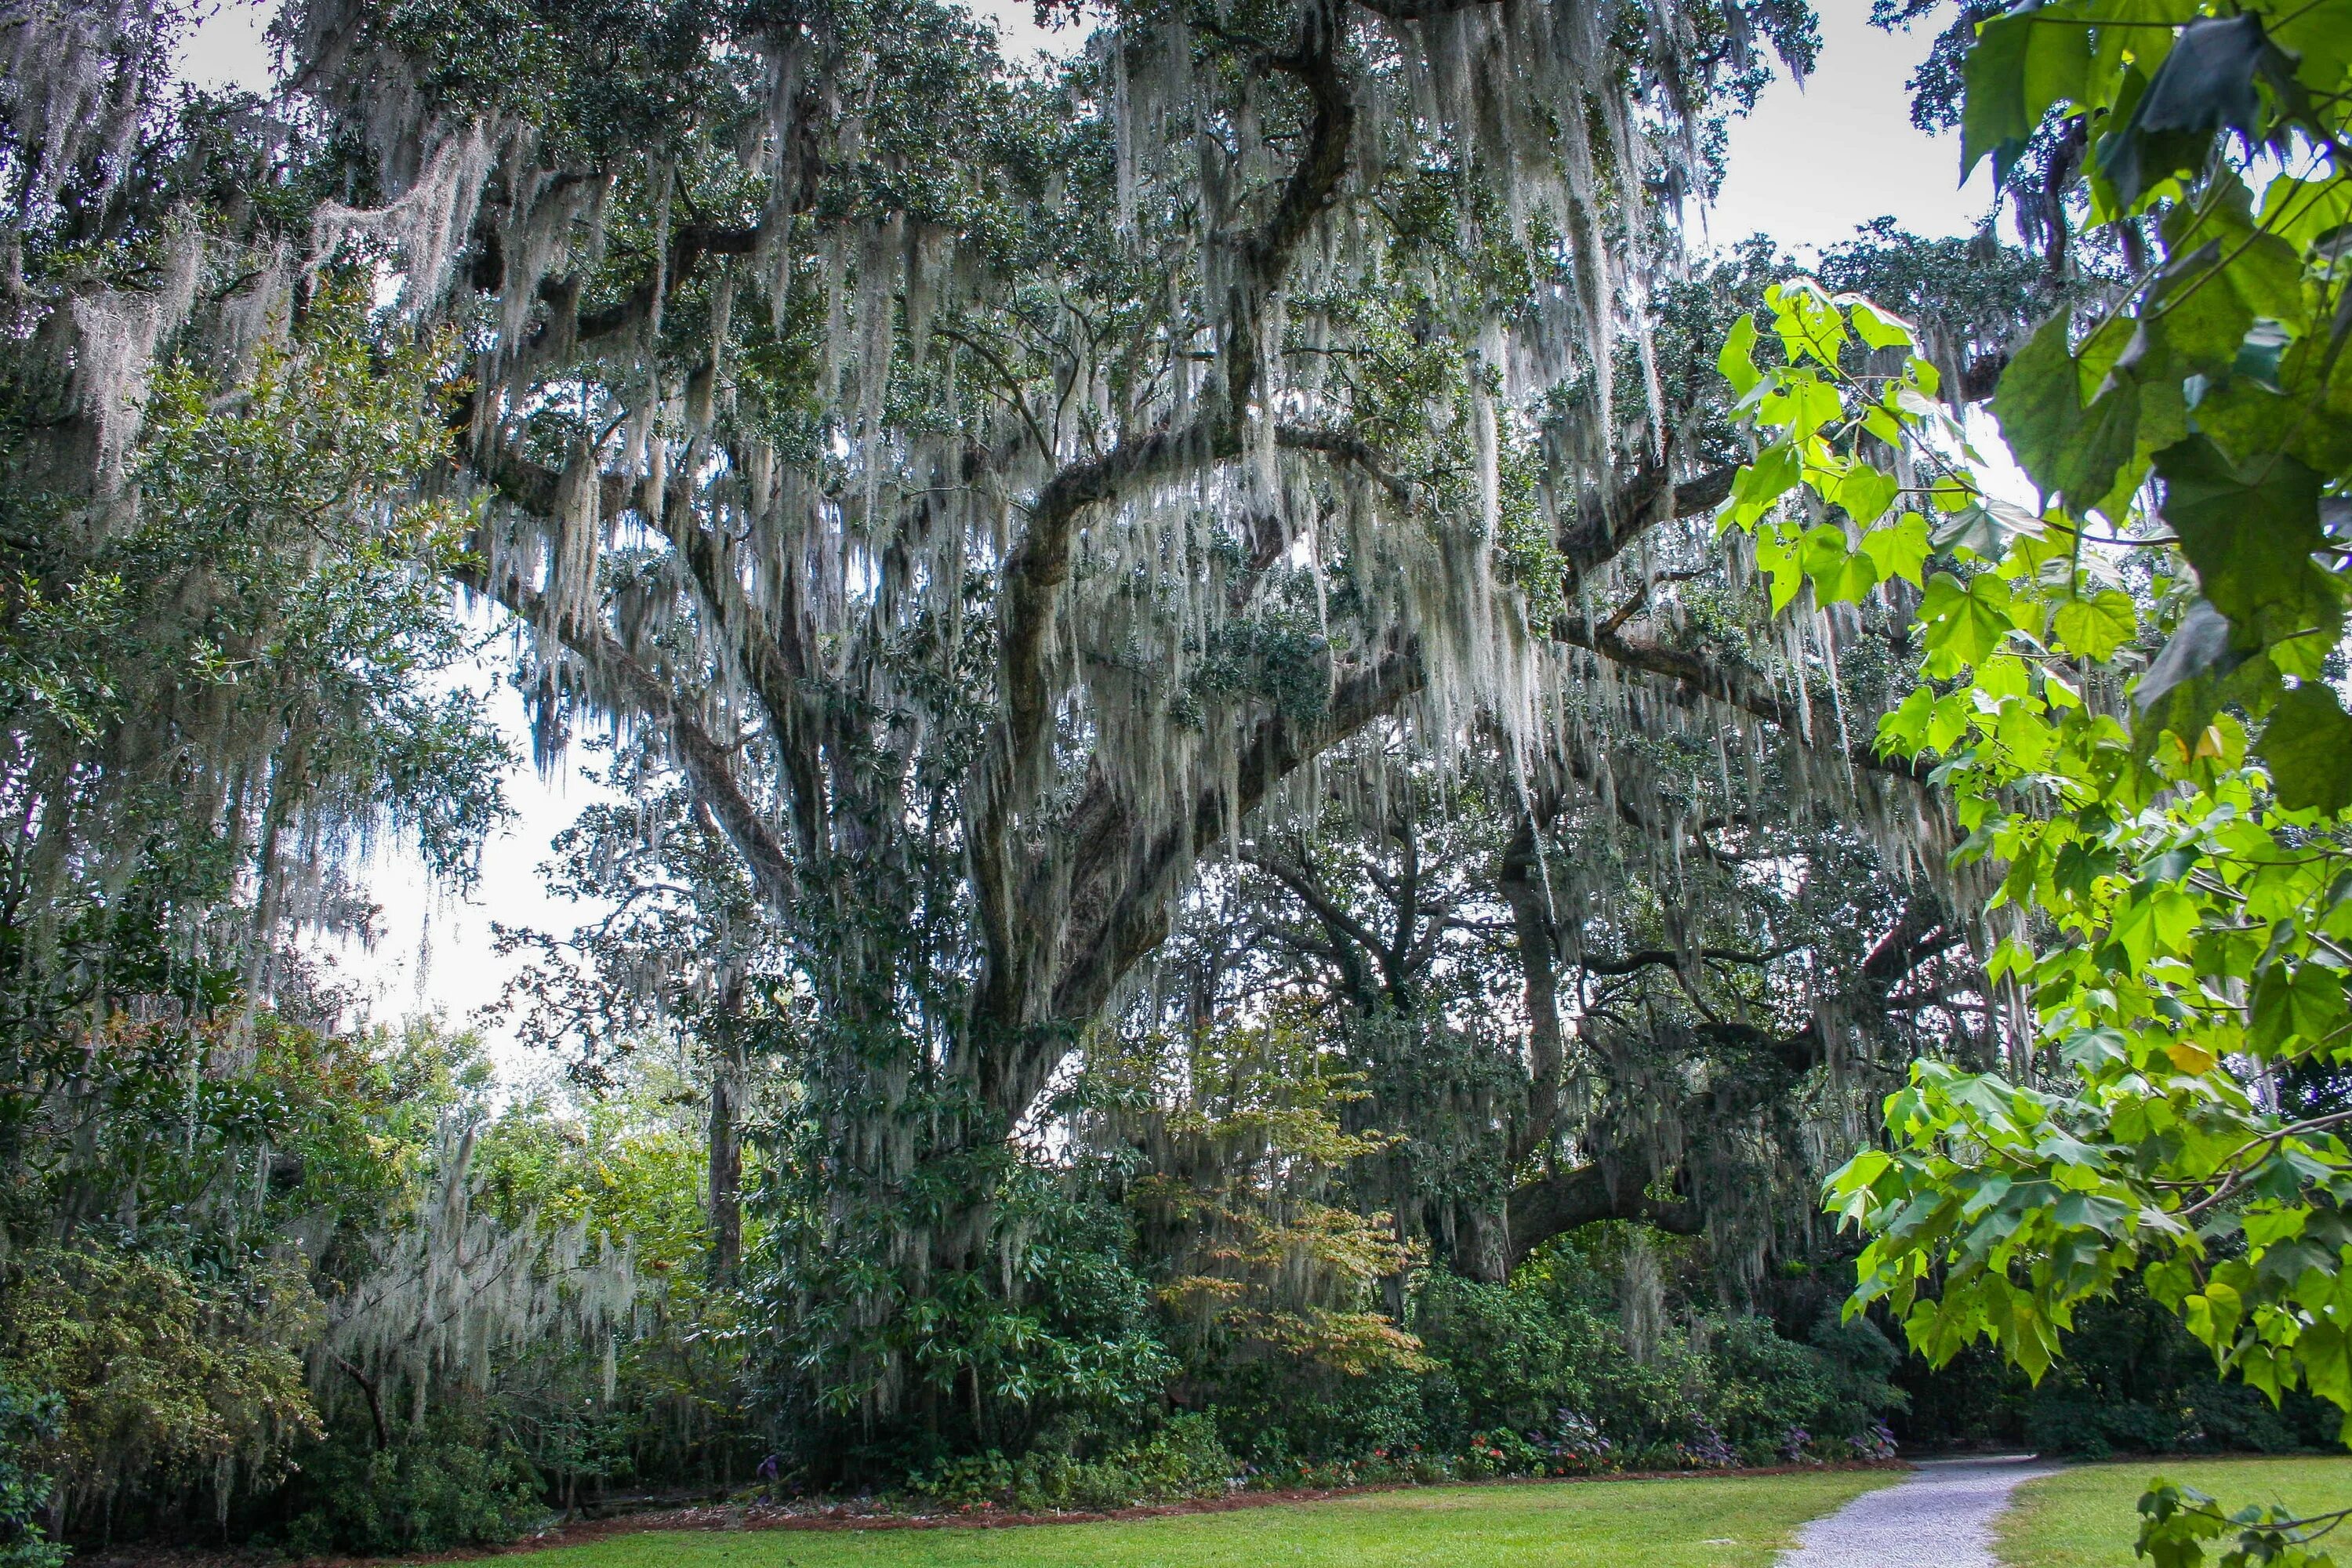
[[1604, 529], [1555, 1205]]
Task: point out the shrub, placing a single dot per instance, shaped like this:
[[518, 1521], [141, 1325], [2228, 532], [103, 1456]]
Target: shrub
[[165, 1380], [1181, 1458], [26, 1422], [460, 1481]]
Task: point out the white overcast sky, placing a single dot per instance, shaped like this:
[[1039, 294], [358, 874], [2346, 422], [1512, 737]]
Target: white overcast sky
[[1809, 167]]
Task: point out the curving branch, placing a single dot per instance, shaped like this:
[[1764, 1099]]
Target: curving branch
[[1557, 1203], [1730, 685]]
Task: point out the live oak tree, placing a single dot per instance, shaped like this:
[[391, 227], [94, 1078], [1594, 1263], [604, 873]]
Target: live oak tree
[[987, 490]]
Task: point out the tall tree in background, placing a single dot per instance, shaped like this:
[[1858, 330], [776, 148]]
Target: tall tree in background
[[987, 490]]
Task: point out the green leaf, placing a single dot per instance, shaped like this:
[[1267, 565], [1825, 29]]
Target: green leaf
[[1841, 574], [2326, 1369], [2103, 443], [1899, 549], [2306, 1002], [2198, 317], [1801, 404], [1772, 475], [2021, 64], [1782, 575], [1737, 359], [1866, 492], [2250, 533], [2221, 237], [1968, 620], [2040, 405], [2199, 645], [1875, 327], [1987, 528], [2095, 626], [2307, 746], [2207, 83]]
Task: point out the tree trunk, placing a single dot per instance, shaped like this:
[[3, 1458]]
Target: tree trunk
[[726, 1140]]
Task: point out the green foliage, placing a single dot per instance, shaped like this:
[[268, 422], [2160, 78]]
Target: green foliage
[[2133, 1380], [2077, 1517], [1539, 1377], [2180, 1524], [166, 1379], [459, 1481], [2175, 874], [1180, 1459], [28, 1423]]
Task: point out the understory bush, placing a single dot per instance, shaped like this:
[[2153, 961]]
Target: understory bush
[[1539, 1377], [24, 1489], [2133, 1380], [1181, 1458], [458, 1481]]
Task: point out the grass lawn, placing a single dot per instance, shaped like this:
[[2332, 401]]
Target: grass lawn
[[1736, 1521], [2088, 1517]]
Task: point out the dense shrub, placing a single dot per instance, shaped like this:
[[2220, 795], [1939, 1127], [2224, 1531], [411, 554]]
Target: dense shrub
[[459, 1481], [2133, 1380], [167, 1376], [26, 1422], [1537, 1377], [1181, 1458]]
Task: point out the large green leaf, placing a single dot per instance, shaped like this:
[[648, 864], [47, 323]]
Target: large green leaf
[[2095, 625], [1966, 621], [2039, 403], [2199, 646], [2206, 84], [2307, 746], [2022, 64], [2249, 532]]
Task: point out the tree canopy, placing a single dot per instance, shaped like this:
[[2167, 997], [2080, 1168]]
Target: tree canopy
[[1242, 702]]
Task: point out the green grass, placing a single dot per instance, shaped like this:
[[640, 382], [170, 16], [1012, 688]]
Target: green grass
[[2088, 1517], [1734, 1521]]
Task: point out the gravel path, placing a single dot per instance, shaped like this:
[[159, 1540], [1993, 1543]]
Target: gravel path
[[1940, 1518]]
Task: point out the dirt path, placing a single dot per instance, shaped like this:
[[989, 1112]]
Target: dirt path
[[1940, 1518]]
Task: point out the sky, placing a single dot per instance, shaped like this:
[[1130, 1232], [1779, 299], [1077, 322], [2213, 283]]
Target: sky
[[1809, 167]]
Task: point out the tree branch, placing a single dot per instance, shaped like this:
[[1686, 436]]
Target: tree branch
[[1555, 1205]]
